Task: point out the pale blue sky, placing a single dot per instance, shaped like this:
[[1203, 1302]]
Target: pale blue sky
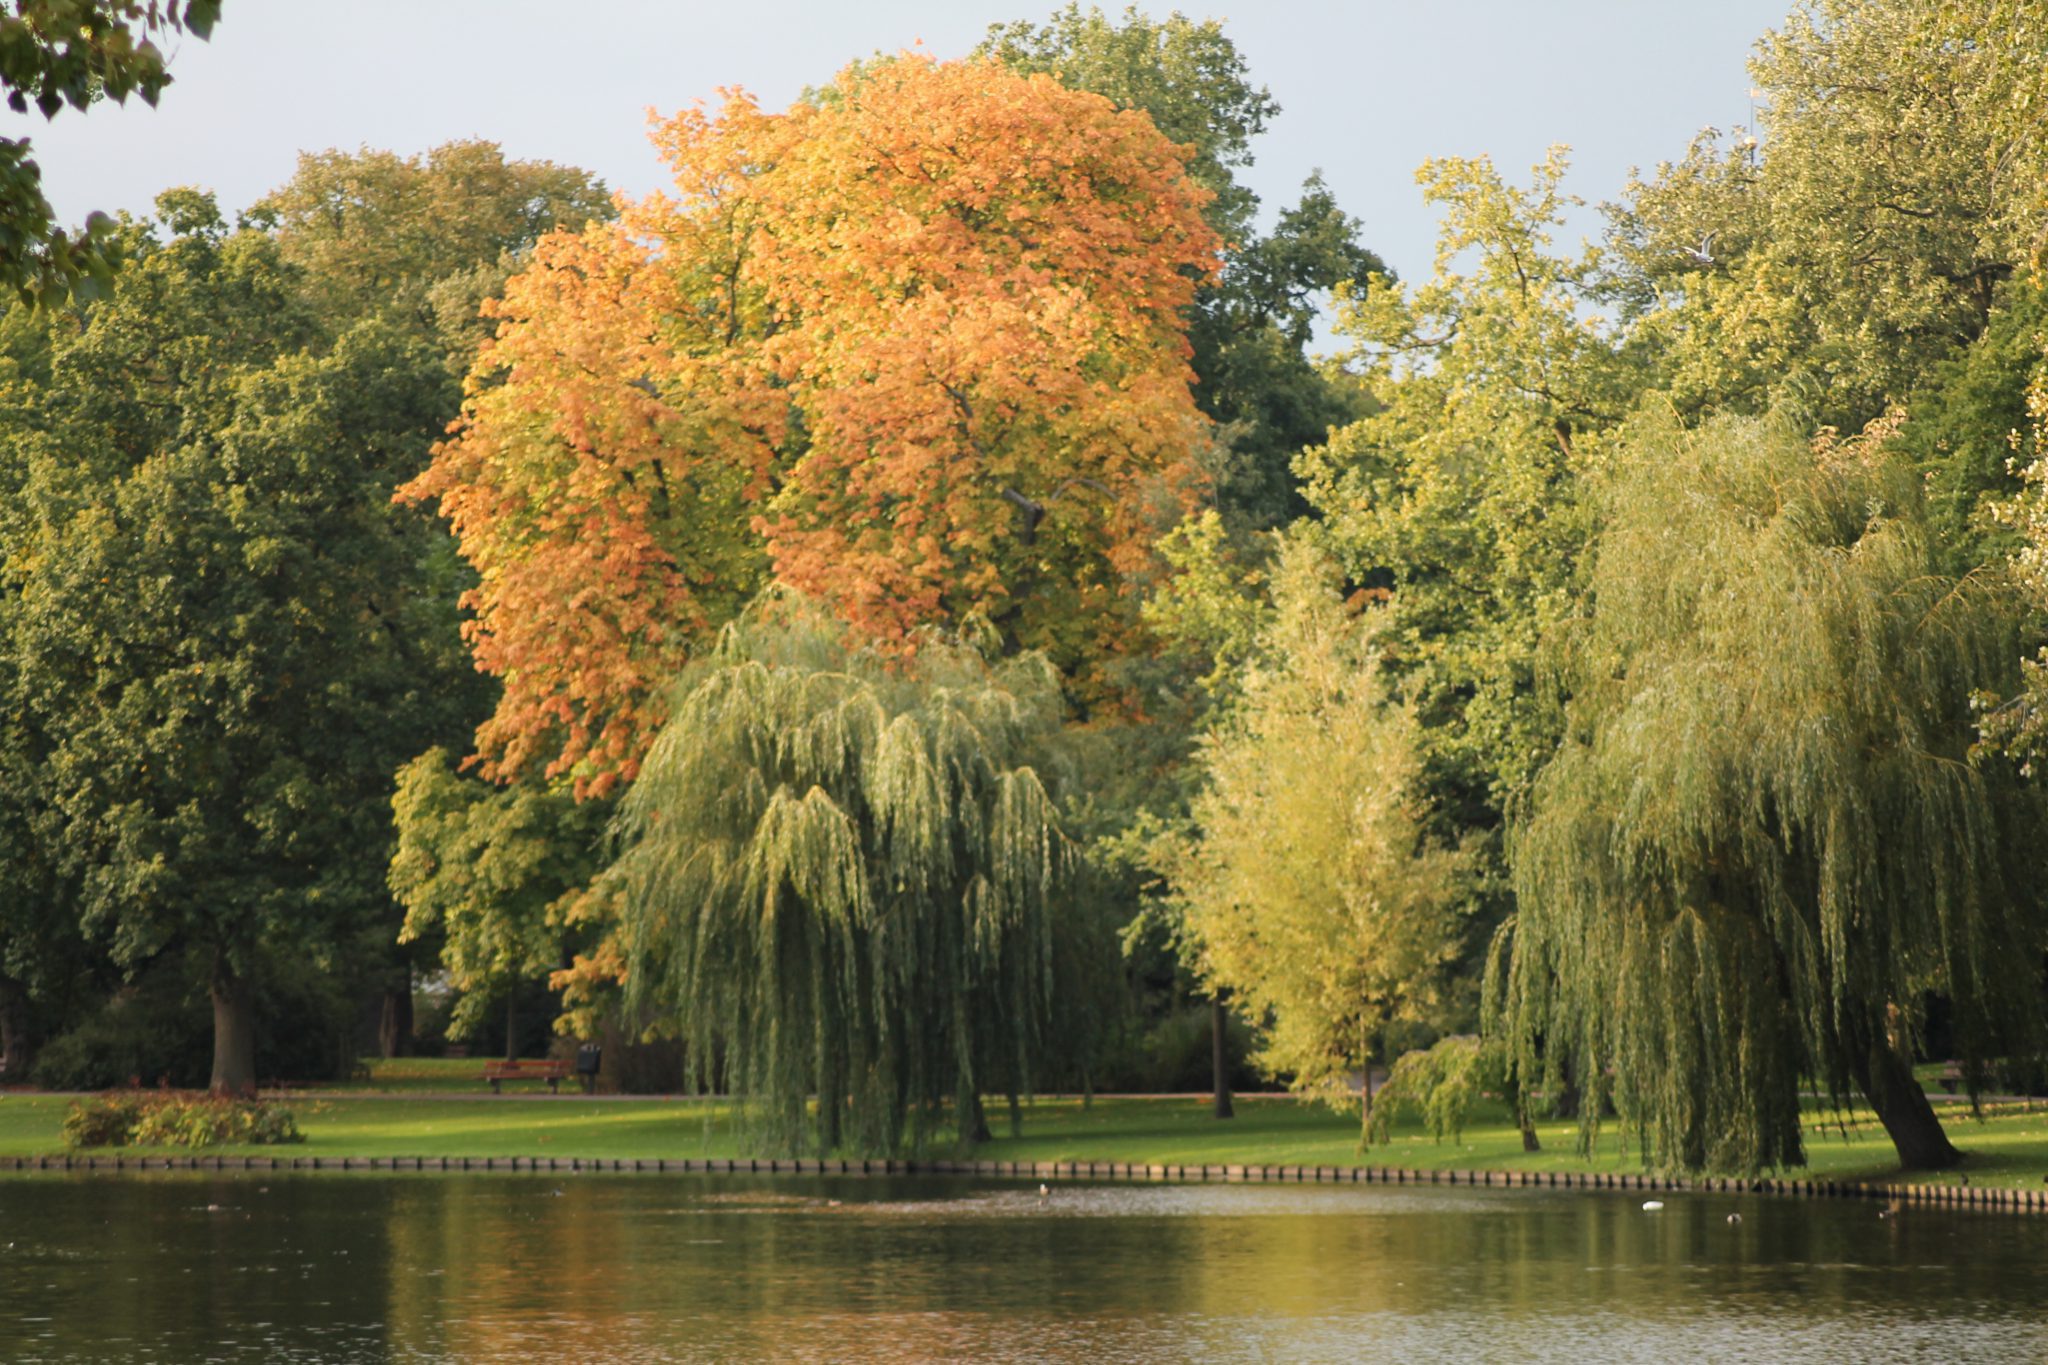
[[1368, 89]]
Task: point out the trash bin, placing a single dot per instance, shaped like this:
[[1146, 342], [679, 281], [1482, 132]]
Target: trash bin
[[588, 1058]]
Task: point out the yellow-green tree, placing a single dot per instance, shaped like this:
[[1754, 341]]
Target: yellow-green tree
[[1866, 229], [1308, 888], [494, 874]]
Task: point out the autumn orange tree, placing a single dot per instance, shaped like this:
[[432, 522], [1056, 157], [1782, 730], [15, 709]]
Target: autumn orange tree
[[914, 347]]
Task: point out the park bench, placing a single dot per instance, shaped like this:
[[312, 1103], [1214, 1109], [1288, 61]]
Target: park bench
[[1949, 1077], [553, 1070]]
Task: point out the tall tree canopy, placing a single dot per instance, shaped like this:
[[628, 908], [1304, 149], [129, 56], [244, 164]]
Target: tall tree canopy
[[915, 345], [1252, 325], [845, 877], [420, 243], [1459, 494], [223, 652], [1897, 186], [427, 238], [1765, 840], [423, 243], [1460, 499]]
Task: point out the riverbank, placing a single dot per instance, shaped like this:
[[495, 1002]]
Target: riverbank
[[2005, 1150]]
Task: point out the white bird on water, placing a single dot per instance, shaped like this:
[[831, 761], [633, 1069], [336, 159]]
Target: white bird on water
[[1044, 1190], [1652, 1205]]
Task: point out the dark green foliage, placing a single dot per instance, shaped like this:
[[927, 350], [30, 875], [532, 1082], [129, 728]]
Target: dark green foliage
[[1969, 429], [227, 637], [158, 1026], [1251, 334], [223, 637], [1170, 1054], [1185, 74]]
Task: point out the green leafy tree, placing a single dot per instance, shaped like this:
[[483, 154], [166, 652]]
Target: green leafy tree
[[847, 878], [1894, 188], [1765, 841], [55, 53], [223, 652], [1495, 387], [426, 239], [423, 243], [495, 873], [1308, 888], [1969, 429]]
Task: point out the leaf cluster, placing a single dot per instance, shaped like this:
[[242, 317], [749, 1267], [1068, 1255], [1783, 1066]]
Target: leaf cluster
[[59, 52]]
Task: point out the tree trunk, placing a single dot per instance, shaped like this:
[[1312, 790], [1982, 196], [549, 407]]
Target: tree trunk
[[512, 1024], [1016, 1116], [831, 1108], [1518, 1104], [14, 1055], [1887, 1082], [981, 1132], [1219, 1061], [234, 1032], [1565, 1103], [394, 1019]]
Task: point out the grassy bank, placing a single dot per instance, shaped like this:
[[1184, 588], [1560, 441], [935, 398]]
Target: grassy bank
[[2008, 1149]]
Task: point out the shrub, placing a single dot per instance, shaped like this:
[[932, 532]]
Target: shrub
[[103, 1121], [177, 1119], [1441, 1083], [160, 1027]]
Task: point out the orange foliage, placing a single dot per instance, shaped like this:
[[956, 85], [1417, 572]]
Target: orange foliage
[[917, 346]]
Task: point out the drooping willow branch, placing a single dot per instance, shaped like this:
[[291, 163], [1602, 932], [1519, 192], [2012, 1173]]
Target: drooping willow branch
[[843, 878]]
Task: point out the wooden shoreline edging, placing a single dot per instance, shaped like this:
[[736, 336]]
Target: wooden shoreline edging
[[1947, 1196]]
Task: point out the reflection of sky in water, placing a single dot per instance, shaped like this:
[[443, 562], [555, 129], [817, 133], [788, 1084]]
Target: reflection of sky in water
[[648, 1268]]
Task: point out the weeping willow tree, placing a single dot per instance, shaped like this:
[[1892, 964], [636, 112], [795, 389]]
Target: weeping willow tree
[[1766, 843], [841, 876]]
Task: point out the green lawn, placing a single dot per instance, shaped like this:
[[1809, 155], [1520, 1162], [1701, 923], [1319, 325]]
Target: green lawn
[[398, 1126], [427, 1075], [463, 1075], [2006, 1150]]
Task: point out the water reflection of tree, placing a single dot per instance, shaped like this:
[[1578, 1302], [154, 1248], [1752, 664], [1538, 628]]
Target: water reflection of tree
[[498, 1268]]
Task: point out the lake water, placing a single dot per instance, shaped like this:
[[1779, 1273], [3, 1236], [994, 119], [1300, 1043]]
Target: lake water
[[664, 1268]]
